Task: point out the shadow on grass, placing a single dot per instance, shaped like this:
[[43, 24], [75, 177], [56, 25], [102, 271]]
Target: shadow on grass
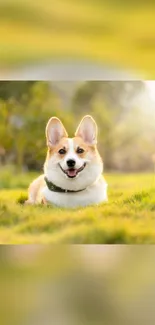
[[21, 200]]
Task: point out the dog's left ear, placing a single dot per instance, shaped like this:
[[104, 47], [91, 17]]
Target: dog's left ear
[[87, 130], [55, 131]]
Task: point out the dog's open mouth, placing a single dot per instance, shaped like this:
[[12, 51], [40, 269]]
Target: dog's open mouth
[[73, 172]]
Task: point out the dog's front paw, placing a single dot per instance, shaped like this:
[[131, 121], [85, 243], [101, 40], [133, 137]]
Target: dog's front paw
[[29, 202]]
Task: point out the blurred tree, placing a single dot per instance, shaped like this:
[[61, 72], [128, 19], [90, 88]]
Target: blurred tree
[[23, 119], [14, 89], [113, 93]]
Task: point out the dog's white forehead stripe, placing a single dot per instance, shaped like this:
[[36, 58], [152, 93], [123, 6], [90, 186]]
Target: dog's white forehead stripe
[[71, 154], [71, 146]]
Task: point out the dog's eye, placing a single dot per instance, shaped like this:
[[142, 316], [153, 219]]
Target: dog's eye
[[62, 151], [79, 150]]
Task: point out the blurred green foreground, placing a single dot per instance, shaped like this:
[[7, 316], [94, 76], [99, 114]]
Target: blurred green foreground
[[97, 285]]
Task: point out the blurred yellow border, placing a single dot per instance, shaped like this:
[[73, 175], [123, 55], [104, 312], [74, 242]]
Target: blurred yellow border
[[117, 36]]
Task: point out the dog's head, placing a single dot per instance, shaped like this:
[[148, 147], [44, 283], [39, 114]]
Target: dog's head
[[72, 163]]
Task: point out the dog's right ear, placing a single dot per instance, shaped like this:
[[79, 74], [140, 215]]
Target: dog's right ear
[[87, 130], [55, 131]]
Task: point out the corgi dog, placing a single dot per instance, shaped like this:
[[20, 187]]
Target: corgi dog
[[73, 168]]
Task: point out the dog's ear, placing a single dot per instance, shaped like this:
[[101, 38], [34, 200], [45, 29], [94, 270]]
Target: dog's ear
[[55, 131], [87, 130]]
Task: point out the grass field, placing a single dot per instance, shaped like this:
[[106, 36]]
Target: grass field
[[128, 217], [118, 35]]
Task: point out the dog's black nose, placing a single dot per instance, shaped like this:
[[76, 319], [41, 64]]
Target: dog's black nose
[[71, 163]]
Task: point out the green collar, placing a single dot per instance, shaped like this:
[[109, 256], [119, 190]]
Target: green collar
[[52, 187]]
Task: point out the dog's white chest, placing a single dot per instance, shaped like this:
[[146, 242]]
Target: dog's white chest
[[95, 194]]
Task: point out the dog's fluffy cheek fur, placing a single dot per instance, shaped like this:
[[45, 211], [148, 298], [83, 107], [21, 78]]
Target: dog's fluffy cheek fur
[[88, 176]]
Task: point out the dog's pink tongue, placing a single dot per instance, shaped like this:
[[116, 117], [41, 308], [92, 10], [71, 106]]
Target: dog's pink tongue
[[71, 172]]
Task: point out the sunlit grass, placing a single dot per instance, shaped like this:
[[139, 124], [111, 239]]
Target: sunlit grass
[[128, 217]]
